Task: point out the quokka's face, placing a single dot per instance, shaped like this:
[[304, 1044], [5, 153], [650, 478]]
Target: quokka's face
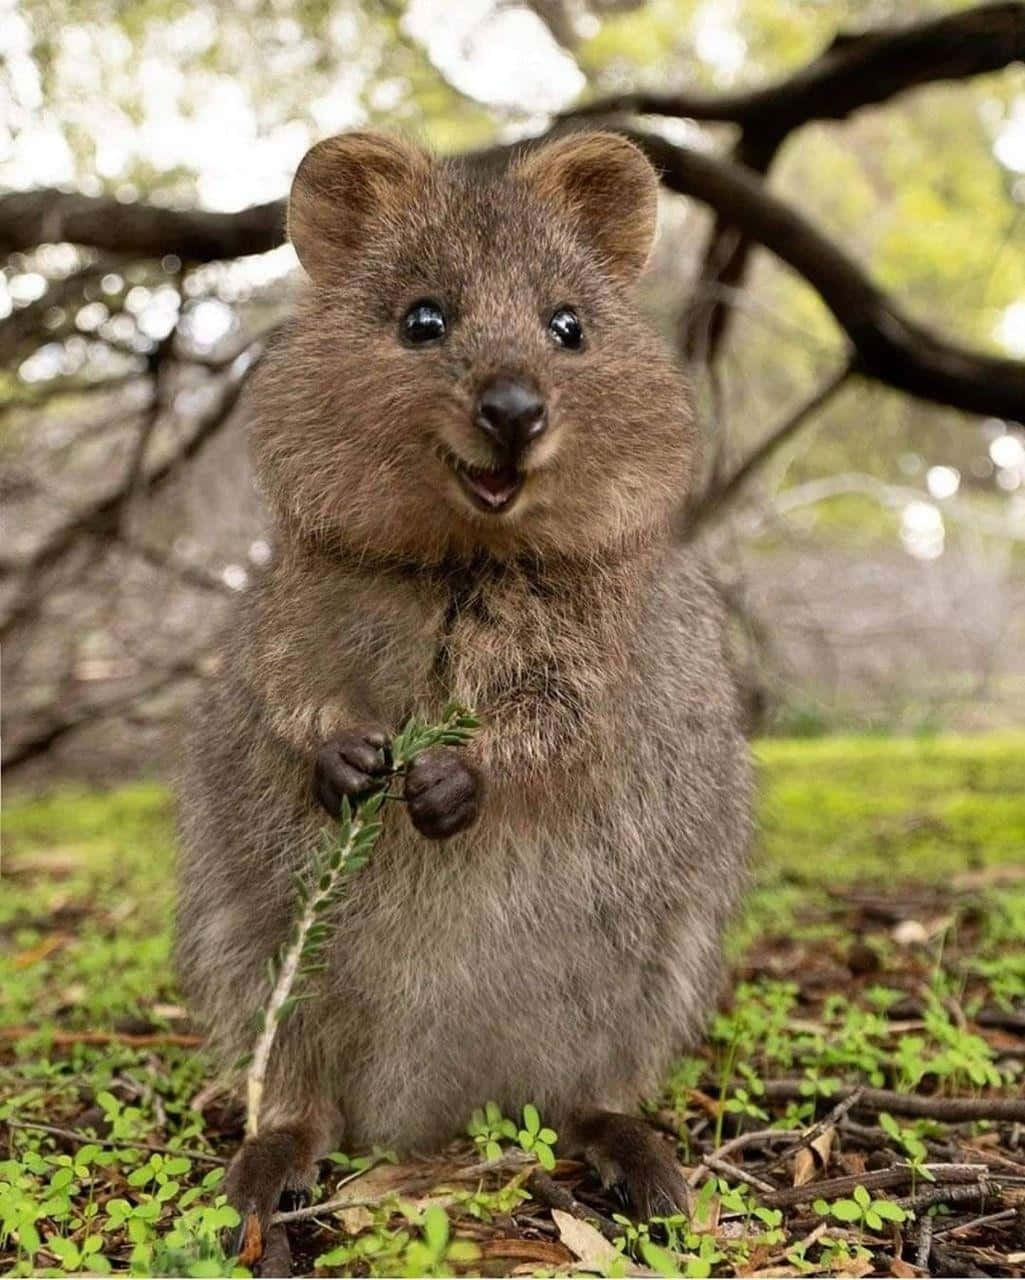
[[470, 370]]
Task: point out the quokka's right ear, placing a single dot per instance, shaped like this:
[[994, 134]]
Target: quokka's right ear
[[342, 186]]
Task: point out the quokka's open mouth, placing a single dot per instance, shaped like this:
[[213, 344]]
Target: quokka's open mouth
[[491, 489]]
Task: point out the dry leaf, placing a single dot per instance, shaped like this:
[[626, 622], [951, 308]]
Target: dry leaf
[[584, 1241], [852, 1266], [356, 1219], [804, 1167], [376, 1182], [707, 1222], [898, 1267], [817, 1152], [55, 941], [252, 1241], [823, 1146], [910, 933]]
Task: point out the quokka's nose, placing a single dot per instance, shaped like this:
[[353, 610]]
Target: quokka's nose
[[511, 413]]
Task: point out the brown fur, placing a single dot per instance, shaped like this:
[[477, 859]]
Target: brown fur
[[564, 948]]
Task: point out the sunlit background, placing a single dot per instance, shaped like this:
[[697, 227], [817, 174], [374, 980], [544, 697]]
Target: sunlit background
[[874, 565]]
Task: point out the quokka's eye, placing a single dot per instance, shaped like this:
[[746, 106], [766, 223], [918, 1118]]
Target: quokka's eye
[[423, 322], [565, 328]]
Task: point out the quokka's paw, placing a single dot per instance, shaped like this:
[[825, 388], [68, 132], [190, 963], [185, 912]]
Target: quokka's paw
[[634, 1161], [443, 793], [349, 764], [262, 1178]]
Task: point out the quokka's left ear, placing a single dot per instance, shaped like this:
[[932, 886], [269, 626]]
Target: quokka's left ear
[[607, 186]]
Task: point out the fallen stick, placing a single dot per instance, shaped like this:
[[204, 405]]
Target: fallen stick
[[85, 1139], [947, 1195], [806, 1139], [924, 1243], [986, 1220], [548, 1192], [756, 1137], [875, 1180], [179, 1039], [909, 1104]]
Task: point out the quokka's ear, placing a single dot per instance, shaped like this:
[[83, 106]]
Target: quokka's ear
[[608, 186], [344, 184]]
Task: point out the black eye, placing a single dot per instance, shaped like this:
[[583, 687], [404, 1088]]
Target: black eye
[[565, 328], [423, 322]]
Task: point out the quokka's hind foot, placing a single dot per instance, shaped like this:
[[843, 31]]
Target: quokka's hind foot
[[630, 1158], [273, 1170]]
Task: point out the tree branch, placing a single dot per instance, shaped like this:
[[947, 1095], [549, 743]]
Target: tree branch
[[50, 216], [719, 493], [39, 743], [103, 518], [889, 346], [854, 71]]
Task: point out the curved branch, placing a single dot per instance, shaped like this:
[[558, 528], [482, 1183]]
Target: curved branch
[[854, 71], [102, 519], [890, 346]]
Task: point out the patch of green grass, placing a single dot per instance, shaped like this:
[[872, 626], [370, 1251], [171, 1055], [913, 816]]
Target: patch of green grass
[[86, 908], [848, 808], [85, 922]]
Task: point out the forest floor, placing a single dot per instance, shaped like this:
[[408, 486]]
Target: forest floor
[[858, 1106]]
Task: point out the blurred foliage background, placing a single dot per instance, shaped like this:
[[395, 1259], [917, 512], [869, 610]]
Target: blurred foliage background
[[873, 564]]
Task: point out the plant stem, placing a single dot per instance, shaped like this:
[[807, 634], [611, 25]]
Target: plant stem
[[286, 979]]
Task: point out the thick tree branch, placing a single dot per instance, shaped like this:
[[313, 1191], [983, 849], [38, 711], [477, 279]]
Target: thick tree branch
[[889, 346], [855, 71], [49, 216]]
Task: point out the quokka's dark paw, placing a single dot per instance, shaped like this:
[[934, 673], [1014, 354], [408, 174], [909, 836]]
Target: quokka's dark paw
[[349, 764], [265, 1176], [443, 793], [633, 1161]]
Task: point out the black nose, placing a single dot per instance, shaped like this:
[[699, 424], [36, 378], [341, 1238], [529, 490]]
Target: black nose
[[511, 413]]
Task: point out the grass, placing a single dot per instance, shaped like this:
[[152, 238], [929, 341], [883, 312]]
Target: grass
[[861, 838]]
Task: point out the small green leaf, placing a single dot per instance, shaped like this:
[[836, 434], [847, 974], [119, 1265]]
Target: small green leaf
[[436, 1229], [890, 1211]]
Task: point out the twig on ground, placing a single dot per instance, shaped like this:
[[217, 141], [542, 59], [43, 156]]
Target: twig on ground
[[951, 1110], [986, 1220], [548, 1192], [730, 1171], [86, 1139], [820, 1126], [179, 1039], [948, 1195], [924, 1243], [755, 1137], [875, 1180]]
